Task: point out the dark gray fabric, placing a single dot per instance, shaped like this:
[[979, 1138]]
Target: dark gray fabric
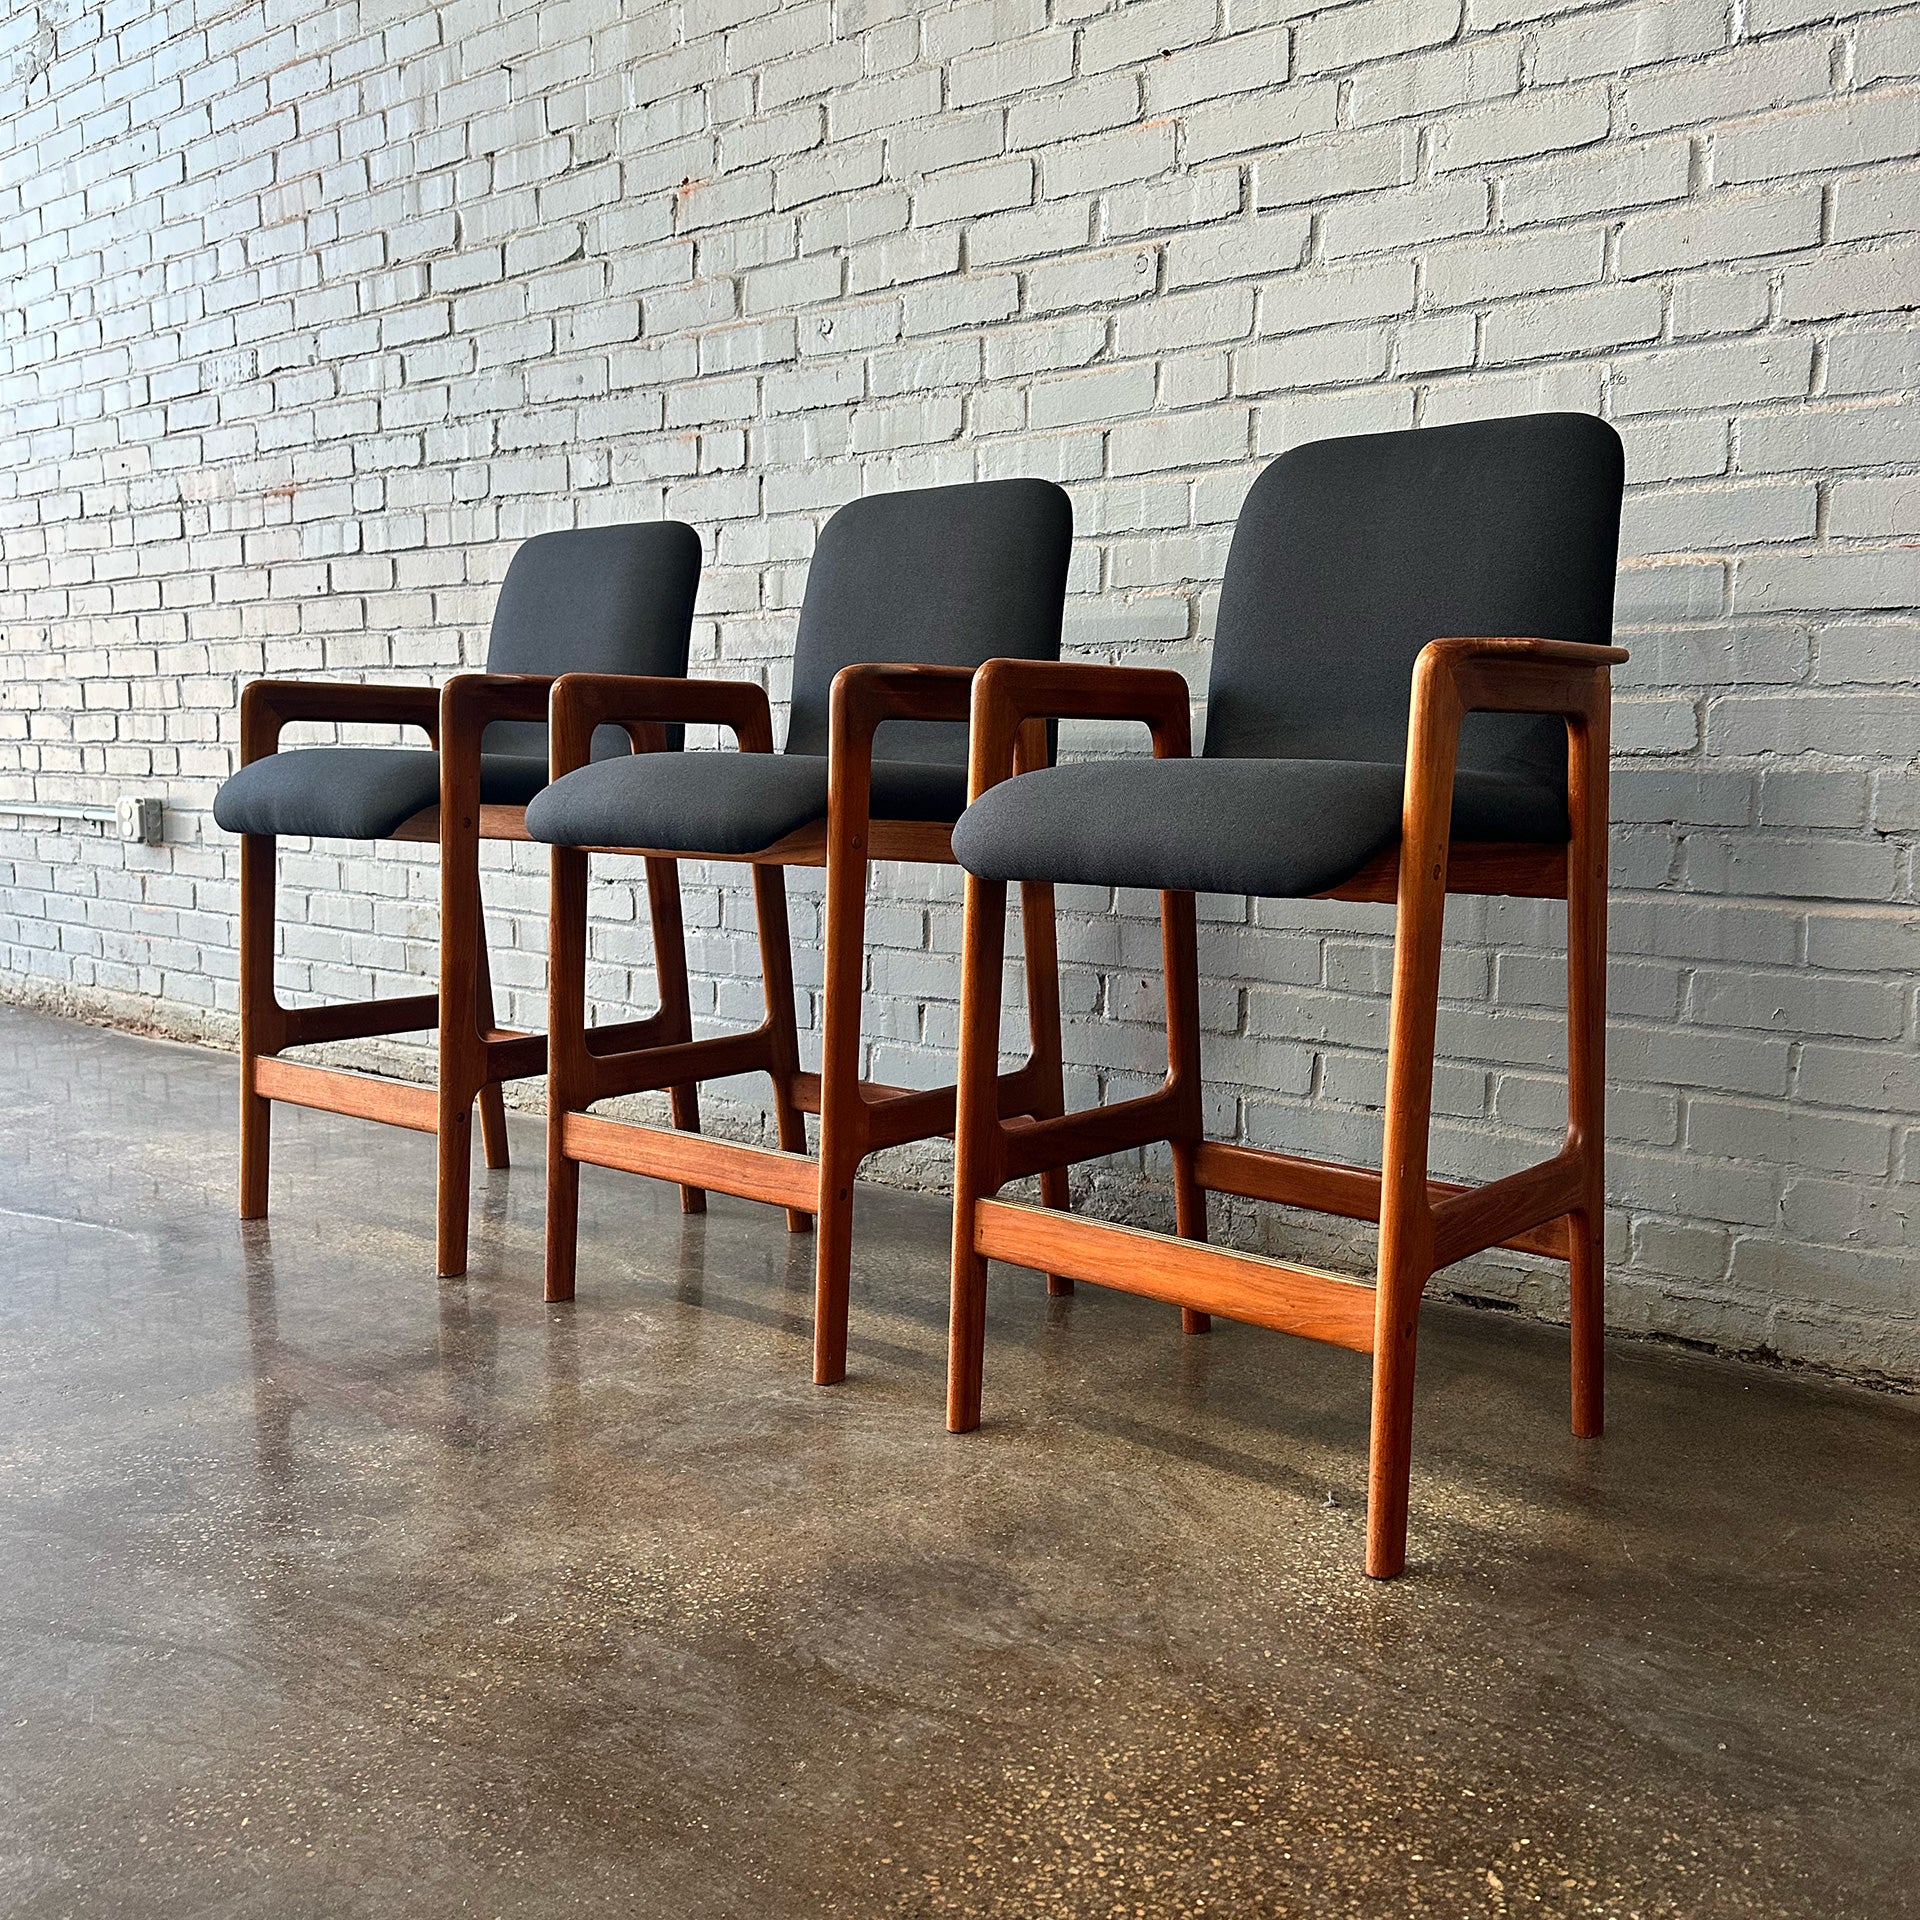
[[1282, 829], [357, 793], [594, 600], [724, 803], [942, 576], [1349, 556]]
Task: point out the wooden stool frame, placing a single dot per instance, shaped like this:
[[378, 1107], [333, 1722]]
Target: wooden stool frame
[[475, 1055], [857, 1117], [1554, 1208]]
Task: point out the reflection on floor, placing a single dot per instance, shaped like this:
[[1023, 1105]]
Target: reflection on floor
[[329, 1589]]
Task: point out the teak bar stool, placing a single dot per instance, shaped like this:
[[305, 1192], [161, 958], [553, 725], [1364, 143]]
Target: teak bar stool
[[1354, 565], [875, 768], [613, 599]]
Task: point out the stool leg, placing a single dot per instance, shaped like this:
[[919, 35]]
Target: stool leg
[[776, 971], [493, 1107], [462, 1054], [258, 1017], [842, 1106], [569, 1069], [975, 1135], [1040, 941], [676, 1001], [1587, 1059], [1406, 1216], [1180, 950]]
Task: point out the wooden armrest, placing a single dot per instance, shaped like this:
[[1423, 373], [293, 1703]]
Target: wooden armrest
[[1503, 674], [1011, 698], [470, 702], [645, 705], [1515, 674], [866, 694], [863, 696], [266, 706]]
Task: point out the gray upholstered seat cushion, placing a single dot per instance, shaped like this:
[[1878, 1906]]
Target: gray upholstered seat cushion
[[357, 793], [724, 802], [1284, 829]]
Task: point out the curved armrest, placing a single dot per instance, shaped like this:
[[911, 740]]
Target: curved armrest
[[471, 702], [645, 705], [266, 706], [1506, 674], [1514, 674], [1012, 697], [870, 692], [863, 696]]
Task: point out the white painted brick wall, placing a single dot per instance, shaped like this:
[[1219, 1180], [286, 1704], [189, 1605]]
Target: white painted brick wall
[[315, 310]]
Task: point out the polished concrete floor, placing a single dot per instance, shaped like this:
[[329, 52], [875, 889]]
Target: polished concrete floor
[[327, 1589]]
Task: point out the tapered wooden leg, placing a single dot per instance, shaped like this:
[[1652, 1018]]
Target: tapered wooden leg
[[462, 1052], [1406, 1215], [842, 1106], [568, 1066], [1587, 1061], [455, 1176], [684, 1103], [1180, 954], [1402, 1278], [1190, 1222], [670, 969], [776, 966], [976, 1133], [258, 1021], [1039, 938], [493, 1107]]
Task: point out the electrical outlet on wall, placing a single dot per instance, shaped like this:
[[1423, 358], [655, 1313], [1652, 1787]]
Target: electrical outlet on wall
[[142, 820]]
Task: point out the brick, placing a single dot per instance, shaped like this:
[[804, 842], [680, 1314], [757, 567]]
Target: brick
[[1720, 227], [1853, 280], [1811, 722], [1777, 367], [1519, 130], [1249, 123], [1299, 302], [1585, 322], [1313, 171], [1108, 160], [1588, 46], [1766, 583], [1382, 30], [1829, 136], [1243, 63], [968, 192], [1747, 79], [1388, 222], [1440, 81], [1600, 180], [1237, 250], [1141, 32], [1885, 652]]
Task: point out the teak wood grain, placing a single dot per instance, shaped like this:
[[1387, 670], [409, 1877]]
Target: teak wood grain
[[1554, 1208], [474, 1055], [1243, 1286], [856, 1117]]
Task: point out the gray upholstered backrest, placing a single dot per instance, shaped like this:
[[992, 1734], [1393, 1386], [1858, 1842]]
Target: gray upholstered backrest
[[946, 576], [1350, 555], [593, 600]]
